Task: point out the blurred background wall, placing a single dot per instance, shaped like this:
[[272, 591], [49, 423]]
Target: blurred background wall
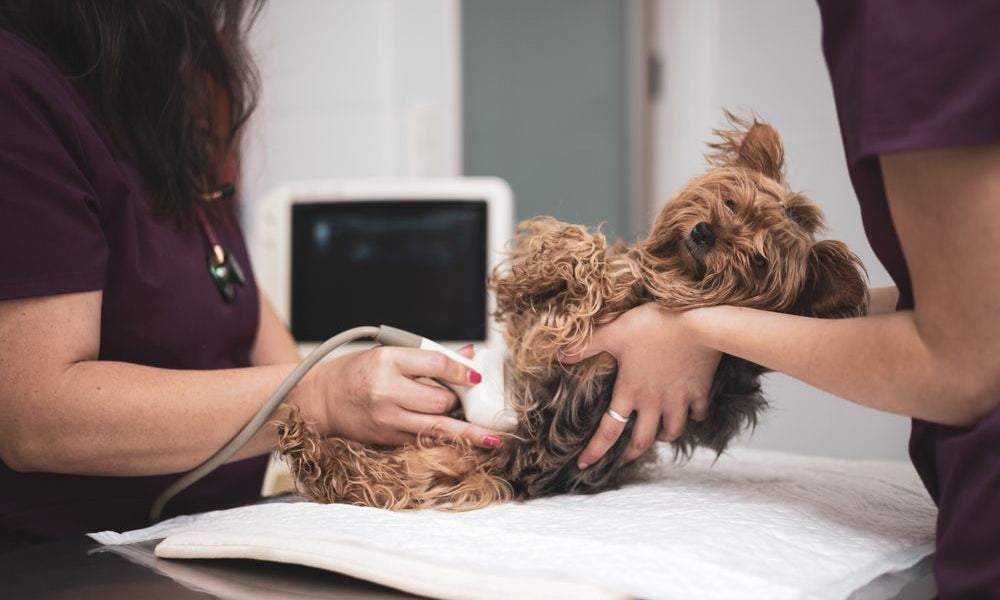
[[355, 88], [544, 103], [595, 111]]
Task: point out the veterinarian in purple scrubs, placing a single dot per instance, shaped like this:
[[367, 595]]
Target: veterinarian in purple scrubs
[[917, 87], [123, 360]]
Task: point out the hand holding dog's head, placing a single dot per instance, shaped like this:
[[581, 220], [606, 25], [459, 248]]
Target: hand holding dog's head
[[733, 235]]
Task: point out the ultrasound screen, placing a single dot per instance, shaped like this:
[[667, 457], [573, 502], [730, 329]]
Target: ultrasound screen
[[416, 265]]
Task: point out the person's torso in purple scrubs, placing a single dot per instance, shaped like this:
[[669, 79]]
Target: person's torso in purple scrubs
[[912, 75]]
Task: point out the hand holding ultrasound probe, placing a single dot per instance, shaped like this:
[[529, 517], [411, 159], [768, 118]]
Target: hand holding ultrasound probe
[[382, 401]]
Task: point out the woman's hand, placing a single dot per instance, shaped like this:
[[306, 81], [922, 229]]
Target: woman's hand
[[376, 396], [663, 375]]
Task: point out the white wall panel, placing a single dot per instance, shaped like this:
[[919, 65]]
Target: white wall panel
[[354, 88]]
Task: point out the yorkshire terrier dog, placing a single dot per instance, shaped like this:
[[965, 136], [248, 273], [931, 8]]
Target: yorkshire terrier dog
[[734, 235]]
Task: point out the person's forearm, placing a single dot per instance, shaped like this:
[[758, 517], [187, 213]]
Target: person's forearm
[[112, 418], [274, 343], [878, 361]]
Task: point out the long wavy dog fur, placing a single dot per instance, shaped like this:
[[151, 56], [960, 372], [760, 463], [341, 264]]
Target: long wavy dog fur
[[561, 281]]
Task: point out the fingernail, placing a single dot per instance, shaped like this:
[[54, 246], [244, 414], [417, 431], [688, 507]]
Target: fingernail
[[582, 465], [491, 441], [465, 347], [474, 376]]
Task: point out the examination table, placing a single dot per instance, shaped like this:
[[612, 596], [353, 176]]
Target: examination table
[[752, 524]]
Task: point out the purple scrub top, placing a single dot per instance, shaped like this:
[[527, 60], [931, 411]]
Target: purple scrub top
[[75, 217], [912, 75]]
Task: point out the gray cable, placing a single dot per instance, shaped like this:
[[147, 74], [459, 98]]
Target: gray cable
[[265, 412]]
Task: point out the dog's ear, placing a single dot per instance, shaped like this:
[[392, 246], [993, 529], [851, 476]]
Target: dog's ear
[[549, 263], [803, 211], [754, 145], [835, 285]]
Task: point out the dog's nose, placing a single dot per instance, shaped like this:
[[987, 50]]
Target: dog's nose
[[702, 235]]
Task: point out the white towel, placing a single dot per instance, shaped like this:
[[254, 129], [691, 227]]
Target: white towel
[[752, 525]]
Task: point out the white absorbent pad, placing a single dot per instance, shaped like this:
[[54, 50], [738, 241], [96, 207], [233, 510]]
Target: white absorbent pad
[[752, 525]]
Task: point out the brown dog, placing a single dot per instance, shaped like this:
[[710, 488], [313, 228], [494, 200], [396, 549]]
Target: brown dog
[[734, 235]]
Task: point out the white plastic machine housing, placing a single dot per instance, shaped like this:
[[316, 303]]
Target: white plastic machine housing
[[271, 231]]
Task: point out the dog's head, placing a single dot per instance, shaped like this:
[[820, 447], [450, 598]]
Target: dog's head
[[738, 235]]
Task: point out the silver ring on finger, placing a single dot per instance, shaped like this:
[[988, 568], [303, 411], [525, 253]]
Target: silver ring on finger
[[617, 416]]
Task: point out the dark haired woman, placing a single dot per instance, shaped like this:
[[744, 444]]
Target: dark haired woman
[[123, 359]]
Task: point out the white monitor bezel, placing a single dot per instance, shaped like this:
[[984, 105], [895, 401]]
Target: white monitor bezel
[[273, 239]]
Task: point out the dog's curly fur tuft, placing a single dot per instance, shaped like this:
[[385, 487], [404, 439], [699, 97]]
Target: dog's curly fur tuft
[[427, 474], [560, 282]]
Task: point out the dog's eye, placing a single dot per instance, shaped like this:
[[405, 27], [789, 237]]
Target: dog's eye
[[759, 261], [728, 202]]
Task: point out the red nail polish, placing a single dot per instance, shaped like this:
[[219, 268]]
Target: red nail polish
[[474, 376], [465, 347], [491, 441]]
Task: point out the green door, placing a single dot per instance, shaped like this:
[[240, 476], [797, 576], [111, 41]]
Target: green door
[[544, 105]]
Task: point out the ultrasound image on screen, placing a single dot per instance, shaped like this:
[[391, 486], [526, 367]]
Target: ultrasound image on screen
[[416, 265]]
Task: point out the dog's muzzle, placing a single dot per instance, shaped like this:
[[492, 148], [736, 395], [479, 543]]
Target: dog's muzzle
[[702, 235]]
